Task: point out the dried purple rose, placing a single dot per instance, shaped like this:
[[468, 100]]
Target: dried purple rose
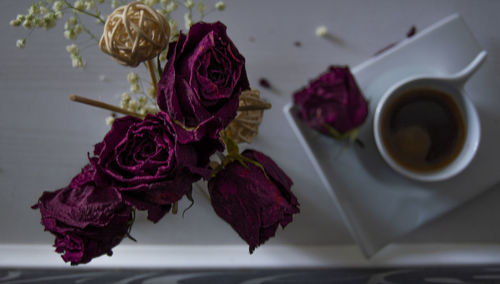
[[253, 198], [333, 103], [148, 165], [88, 220], [202, 80]]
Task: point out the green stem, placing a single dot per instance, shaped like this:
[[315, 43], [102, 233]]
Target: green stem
[[85, 29], [90, 34], [99, 19]]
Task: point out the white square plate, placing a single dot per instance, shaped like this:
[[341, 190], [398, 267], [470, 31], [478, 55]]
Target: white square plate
[[377, 204]]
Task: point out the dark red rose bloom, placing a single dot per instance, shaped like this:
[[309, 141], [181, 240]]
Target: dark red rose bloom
[[202, 81], [253, 200], [87, 220], [145, 161], [332, 100]]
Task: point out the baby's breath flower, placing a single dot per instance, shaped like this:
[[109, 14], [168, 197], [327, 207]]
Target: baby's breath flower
[[15, 23], [132, 78], [141, 111], [58, 15], [89, 5], [220, 6], [125, 100], [321, 31], [49, 21], [150, 109], [70, 34], [70, 22], [77, 61], [37, 22], [189, 4], [110, 120], [72, 49], [172, 6], [21, 43], [28, 24], [152, 93], [114, 4], [43, 10], [34, 9], [143, 100], [78, 29], [21, 18], [57, 6], [133, 105], [134, 88], [79, 5], [125, 96], [124, 104]]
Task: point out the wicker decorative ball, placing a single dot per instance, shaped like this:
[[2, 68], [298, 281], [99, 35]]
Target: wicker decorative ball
[[134, 33], [245, 127]]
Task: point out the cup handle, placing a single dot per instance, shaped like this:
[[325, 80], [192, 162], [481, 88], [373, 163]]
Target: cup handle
[[459, 79]]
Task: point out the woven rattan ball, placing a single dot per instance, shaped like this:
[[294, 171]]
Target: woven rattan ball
[[134, 33], [245, 126]]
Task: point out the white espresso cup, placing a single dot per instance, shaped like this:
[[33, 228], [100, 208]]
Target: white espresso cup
[[427, 128]]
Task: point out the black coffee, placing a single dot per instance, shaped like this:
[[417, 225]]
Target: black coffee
[[423, 129]]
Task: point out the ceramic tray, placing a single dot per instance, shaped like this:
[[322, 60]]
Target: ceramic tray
[[377, 204]]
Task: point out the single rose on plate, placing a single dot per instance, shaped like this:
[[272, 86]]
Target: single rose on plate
[[202, 81], [332, 103], [253, 195], [87, 219], [148, 165]]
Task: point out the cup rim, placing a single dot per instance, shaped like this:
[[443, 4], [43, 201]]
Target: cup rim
[[447, 171]]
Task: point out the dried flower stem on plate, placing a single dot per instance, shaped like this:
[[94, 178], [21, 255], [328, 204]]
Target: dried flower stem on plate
[[100, 104]]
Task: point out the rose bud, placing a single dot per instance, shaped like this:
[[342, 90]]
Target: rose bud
[[144, 160], [253, 198], [333, 103], [202, 81], [87, 220]]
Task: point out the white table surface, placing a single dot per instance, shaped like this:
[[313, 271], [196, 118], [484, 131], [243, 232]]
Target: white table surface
[[44, 138]]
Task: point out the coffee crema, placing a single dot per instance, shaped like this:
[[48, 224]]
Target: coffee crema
[[423, 129]]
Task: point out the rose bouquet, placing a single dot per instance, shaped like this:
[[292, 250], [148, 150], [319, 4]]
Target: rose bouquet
[[151, 157]]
